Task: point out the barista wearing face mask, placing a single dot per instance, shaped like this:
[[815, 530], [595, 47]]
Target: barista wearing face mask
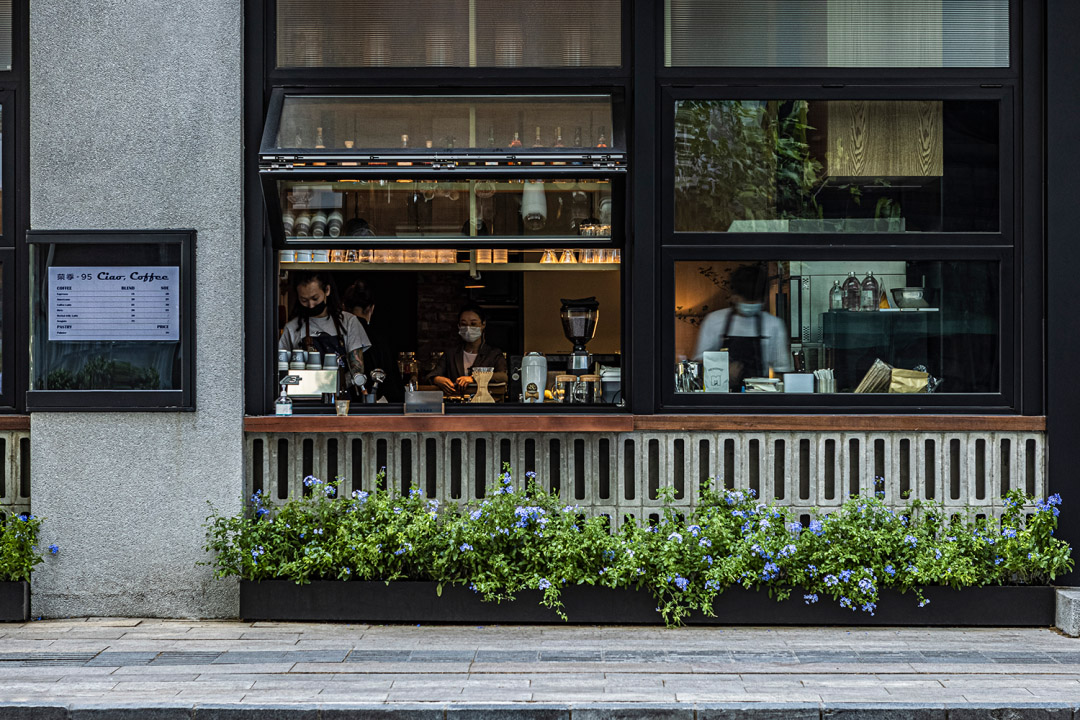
[[451, 373], [755, 340], [320, 325]]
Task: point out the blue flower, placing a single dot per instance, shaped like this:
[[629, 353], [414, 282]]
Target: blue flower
[[811, 598], [869, 607], [890, 570], [770, 571], [708, 559], [680, 582], [924, 603], [544, 584], [937, 554], [695, 530], [846, 602], [712, 585], [866, 585], [787, 550], [54, 548], [475, 514], [817, 527], [812, 569], [1008, 532], [911, 540], [830, 580], [465, 547], [675, 536], [705, 542], [261, 511], [845, 575]]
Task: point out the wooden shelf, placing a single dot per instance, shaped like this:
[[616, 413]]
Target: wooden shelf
[[542, 423], [539, 423], [452, 267]]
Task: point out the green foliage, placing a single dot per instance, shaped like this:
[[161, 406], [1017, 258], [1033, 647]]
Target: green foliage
[[98, 373], [18, 546], [526, 539], [743, 160]]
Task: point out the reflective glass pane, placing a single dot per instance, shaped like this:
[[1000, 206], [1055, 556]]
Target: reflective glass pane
[[5, 34], [416, 124], [458, 208], [903, 326], [105, 317], [448, 33], [837, 33], [836, 166]]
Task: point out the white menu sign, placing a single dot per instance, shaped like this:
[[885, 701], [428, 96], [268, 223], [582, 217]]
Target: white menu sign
[[114, 303]]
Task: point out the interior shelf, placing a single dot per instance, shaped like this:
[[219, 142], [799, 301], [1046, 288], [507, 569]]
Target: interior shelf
[[451, 267]]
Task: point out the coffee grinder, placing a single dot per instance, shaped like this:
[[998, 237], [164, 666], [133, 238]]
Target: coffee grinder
[[579, 325]]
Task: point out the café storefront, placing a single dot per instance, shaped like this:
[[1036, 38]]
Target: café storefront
[[766, 243], [677, 164]]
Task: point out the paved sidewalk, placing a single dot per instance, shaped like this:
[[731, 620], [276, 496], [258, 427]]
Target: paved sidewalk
[[90, 667]]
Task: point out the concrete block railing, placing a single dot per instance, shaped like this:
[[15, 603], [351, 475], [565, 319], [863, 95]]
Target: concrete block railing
[[621, 474]]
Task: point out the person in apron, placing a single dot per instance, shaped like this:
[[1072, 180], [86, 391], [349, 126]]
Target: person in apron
[[321, 326], [755, 340]]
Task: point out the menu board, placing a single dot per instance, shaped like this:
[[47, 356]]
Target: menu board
[[114, 303]]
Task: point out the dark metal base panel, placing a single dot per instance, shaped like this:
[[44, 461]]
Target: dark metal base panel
[[417, 602], [14, 601]]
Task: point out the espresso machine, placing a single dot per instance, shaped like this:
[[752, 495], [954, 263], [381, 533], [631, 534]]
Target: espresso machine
[[579, 325]]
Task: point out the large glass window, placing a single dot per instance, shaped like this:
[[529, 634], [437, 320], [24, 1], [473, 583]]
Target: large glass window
[[837, 33], [837, 166], [837, 326], [448, 33]]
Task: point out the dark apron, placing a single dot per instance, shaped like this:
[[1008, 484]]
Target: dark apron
[[325, 343], [745, 350]]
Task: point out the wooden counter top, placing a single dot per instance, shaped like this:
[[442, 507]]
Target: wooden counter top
[[659, 423]]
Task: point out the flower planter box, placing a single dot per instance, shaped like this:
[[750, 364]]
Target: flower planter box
[[14, 601], [413, 602]]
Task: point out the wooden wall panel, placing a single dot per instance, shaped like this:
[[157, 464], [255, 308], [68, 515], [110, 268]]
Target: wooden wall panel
[[885, 138]]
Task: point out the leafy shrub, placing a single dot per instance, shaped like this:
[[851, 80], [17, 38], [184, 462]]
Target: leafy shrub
[[526, 539], [18, 546]]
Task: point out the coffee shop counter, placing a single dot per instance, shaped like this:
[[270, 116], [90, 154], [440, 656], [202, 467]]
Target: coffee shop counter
[[617, 423]]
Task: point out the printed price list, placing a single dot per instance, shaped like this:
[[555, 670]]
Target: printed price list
[[114, 303]]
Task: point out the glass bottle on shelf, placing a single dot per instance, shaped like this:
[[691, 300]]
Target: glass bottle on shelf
[[334, 222], [516, 142], [302, 226], [549, 257], [870, 294], [567, 257], [558, 137], [319, 143], [852, 289], [577, 137], [491, 136], [538, 142], [318, 224], [883, 303], [341, 397], [404, 141], [836, 296], [601, 139]]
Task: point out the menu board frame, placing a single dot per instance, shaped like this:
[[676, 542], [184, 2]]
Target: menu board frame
[[115, 250]]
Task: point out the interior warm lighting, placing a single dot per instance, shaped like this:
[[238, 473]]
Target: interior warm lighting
[[771, 374]]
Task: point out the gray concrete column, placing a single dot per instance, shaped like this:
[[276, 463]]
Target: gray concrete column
[[136, 122]]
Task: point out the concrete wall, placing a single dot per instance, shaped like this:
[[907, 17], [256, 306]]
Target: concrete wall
[[135, 122]]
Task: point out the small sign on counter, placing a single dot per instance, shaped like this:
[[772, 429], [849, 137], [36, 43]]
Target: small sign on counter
[[114, 303]]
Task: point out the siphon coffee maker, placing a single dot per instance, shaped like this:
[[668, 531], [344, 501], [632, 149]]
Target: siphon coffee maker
[[579, 325]]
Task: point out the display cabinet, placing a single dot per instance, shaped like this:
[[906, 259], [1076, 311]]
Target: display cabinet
[[536, 170]]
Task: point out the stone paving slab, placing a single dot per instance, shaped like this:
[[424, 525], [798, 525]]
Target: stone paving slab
[[197, 670]]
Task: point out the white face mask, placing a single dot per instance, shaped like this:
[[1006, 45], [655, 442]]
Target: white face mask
[[749, 309], [470, 334]]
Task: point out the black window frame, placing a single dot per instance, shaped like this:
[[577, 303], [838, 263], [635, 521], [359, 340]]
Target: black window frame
[[1020, 247], [182, 400], [263, 77]]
